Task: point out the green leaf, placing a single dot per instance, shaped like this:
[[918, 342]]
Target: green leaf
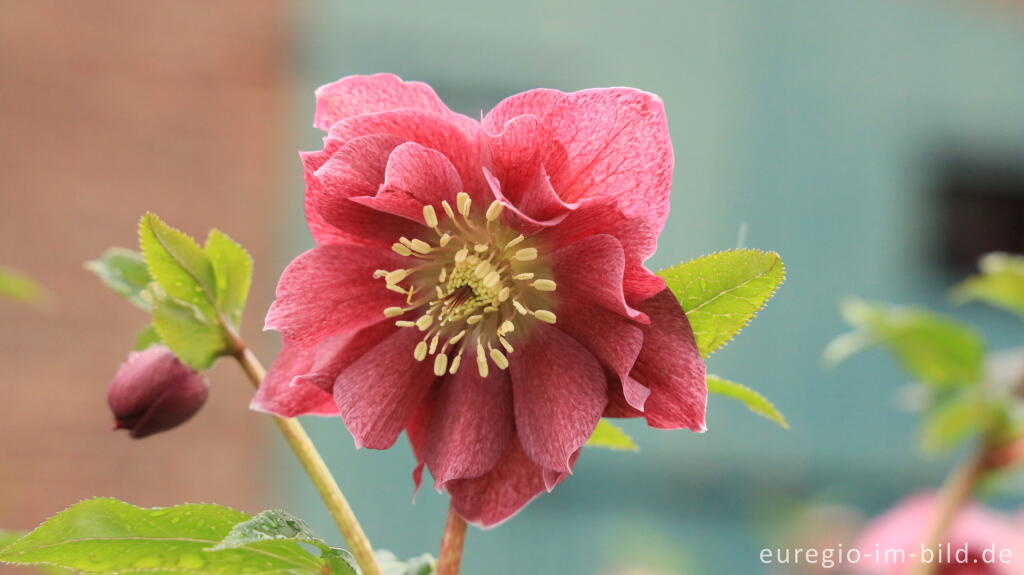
[[722, 292], [178, 265], [17, 286], [186, 330], [123, 271], [610, 436], [1001, 283], [146, 337], [955, 420], [933, 349], [390, 565], [232, 268], [754, 401], [109, 536], [278, 525]]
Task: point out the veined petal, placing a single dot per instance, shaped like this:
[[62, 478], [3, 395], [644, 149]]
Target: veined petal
[[471, 427], [560, 393], [502, 492], [415, 177], [378, 394], [670, 365], [616, 141], [330, 290], [356, 95]]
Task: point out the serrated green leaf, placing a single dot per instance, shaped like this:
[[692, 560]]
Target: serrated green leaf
[[390, 565], [1001, 283], [955, 420], [194, 338], [611, 436], [146, 337], [270, 525], [934, 349], [232, 268], [110, 536], [178, 265], [18, 286], [125, 272], [279, 525], [722, 292], [753, 400]]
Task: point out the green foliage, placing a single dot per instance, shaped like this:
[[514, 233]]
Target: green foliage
[[722, 292], [146, 337], [232, 268], [109, 536], [754, 401], [125, 272], [935, 350], [17, 286], [196, 293], [390, 565], [1001, 283], [610, 436], [953, 420]]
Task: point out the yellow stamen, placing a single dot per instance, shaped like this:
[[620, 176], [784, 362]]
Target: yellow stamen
[[544, 316], [393, 311], [494, 210], [524, 254], [545, 285], [430, 216]]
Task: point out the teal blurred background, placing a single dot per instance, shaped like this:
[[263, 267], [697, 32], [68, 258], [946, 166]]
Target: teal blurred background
[[823, 130]]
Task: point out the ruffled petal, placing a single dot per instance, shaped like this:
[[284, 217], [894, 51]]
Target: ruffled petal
[[454, 136], [637, 238], [592, 270], [560, 393], [501, 493], [517, 173], [281, 395], [357, 168], [616, 141], [471, 426], [331, 290], [670, 365], [355, 95], [378, 394], [415, 177]]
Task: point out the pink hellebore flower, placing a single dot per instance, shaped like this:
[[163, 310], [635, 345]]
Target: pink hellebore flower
[[976, 540], [480, 284]]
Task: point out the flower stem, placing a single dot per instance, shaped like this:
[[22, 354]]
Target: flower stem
[[956, 491], [451, 544], [315, 467]]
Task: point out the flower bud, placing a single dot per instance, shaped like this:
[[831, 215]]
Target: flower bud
[[153, 391]]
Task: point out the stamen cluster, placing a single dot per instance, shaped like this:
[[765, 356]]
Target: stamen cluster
[[475, 285]]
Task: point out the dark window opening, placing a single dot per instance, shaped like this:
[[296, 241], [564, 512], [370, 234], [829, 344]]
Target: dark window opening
[[981, 210]]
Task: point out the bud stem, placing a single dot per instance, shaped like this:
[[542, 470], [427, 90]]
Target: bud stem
[[451, 544], [315, 467]]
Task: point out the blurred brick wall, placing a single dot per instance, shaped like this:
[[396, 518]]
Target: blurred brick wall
[[108, 109]]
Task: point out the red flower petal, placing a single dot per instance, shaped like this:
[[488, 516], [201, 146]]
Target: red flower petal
[[501, 493], [378, 394], [560, 393], [279, 394], [415, 176], [591, 270], [470, 427], [355, 95], [670, 365], [616, 141], [339, 279], [357, 168], [456, 137]]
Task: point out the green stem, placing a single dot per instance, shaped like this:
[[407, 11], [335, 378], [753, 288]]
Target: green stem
[[315, 467], [452, 541]]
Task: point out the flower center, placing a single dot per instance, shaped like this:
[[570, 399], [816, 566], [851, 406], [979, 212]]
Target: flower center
[[476, 285]]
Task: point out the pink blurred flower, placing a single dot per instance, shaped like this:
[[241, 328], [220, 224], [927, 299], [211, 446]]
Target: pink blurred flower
[[974, 530], [153, 391], [480, 284]]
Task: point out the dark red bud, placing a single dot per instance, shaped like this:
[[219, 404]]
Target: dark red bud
[[153, 391]]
